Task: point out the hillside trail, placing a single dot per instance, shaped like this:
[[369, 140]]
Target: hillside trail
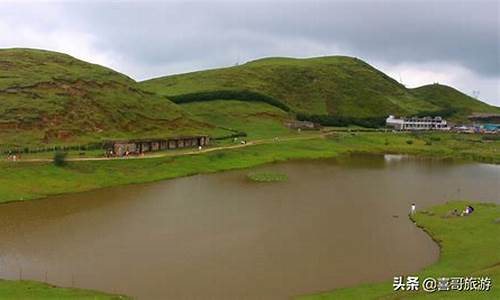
[[192, 152]]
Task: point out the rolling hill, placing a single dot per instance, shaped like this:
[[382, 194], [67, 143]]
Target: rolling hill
[[334, 86], [50, 98], [448, 98]]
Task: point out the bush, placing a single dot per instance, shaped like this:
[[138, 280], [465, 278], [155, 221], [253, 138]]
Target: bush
[[228, 95], [444, 113], [409, 142], [60, 158], [231, 136], [340, 121], [490, 137]]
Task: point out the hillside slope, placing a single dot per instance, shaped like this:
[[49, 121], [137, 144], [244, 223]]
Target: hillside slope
[[336, 86], [451, 99], [339, 85], [49, 98]]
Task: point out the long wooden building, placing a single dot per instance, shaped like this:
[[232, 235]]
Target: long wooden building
[[138, 146]]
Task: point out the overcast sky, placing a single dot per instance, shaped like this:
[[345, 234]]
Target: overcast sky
[[421, 42]]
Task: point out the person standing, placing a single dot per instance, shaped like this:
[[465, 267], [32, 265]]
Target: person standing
[[413, 209]]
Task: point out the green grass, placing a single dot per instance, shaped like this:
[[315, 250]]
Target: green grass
[[336, 85], [257, 120], [31, 290], [266, 177], [23, 181], [49, 98], [448, 98], [469, 247]]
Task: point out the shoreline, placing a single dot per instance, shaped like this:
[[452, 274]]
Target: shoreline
[[439, 228], [211, 160], [219, 160]]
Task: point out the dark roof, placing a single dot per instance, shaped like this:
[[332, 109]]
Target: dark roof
[[152, 140]]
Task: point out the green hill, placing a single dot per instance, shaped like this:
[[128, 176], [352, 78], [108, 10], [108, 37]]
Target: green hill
[[335, 86], [451, 99], [50, 98]]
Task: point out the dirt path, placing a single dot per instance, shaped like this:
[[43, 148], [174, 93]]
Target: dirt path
[[192, 152]]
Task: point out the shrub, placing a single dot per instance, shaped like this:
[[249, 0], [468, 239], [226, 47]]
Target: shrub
[[231, 136], [340, 121], [409, 142], [248, 96], [60, 158], [490, 137]]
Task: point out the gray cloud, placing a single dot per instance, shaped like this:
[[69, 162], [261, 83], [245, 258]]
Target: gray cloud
[[151, 39]]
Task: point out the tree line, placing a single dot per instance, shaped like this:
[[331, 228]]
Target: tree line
[[342, 121], [228, 95]]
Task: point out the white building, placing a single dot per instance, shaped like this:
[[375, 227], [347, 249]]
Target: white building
[[414, 123]]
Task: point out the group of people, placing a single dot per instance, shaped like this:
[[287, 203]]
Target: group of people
[[111, 153], [467, 210], [13, 156]]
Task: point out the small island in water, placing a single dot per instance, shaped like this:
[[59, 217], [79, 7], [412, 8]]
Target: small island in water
[[267, 177]]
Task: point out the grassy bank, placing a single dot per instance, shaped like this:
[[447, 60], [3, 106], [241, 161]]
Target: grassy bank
[[27, 290], [469, 248], [23, 181]]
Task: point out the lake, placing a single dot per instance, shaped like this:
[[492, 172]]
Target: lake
[[334, 223]]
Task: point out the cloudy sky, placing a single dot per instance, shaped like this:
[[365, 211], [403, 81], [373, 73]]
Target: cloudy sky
[[420, 42]]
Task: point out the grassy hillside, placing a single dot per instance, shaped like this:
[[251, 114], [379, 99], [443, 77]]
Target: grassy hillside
[[336, 86], [256, 120], [50, 98], [449, 98]]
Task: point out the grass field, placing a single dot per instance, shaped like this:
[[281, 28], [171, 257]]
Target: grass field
[[257, 120], [27, 180], [469, 248], [30, 290]]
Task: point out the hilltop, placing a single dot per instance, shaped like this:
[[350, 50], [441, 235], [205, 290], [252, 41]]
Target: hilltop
[[334, 86], [50, 98], [448, 98]]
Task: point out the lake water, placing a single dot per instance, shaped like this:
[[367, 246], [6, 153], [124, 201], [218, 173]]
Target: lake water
[[334, 223]]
